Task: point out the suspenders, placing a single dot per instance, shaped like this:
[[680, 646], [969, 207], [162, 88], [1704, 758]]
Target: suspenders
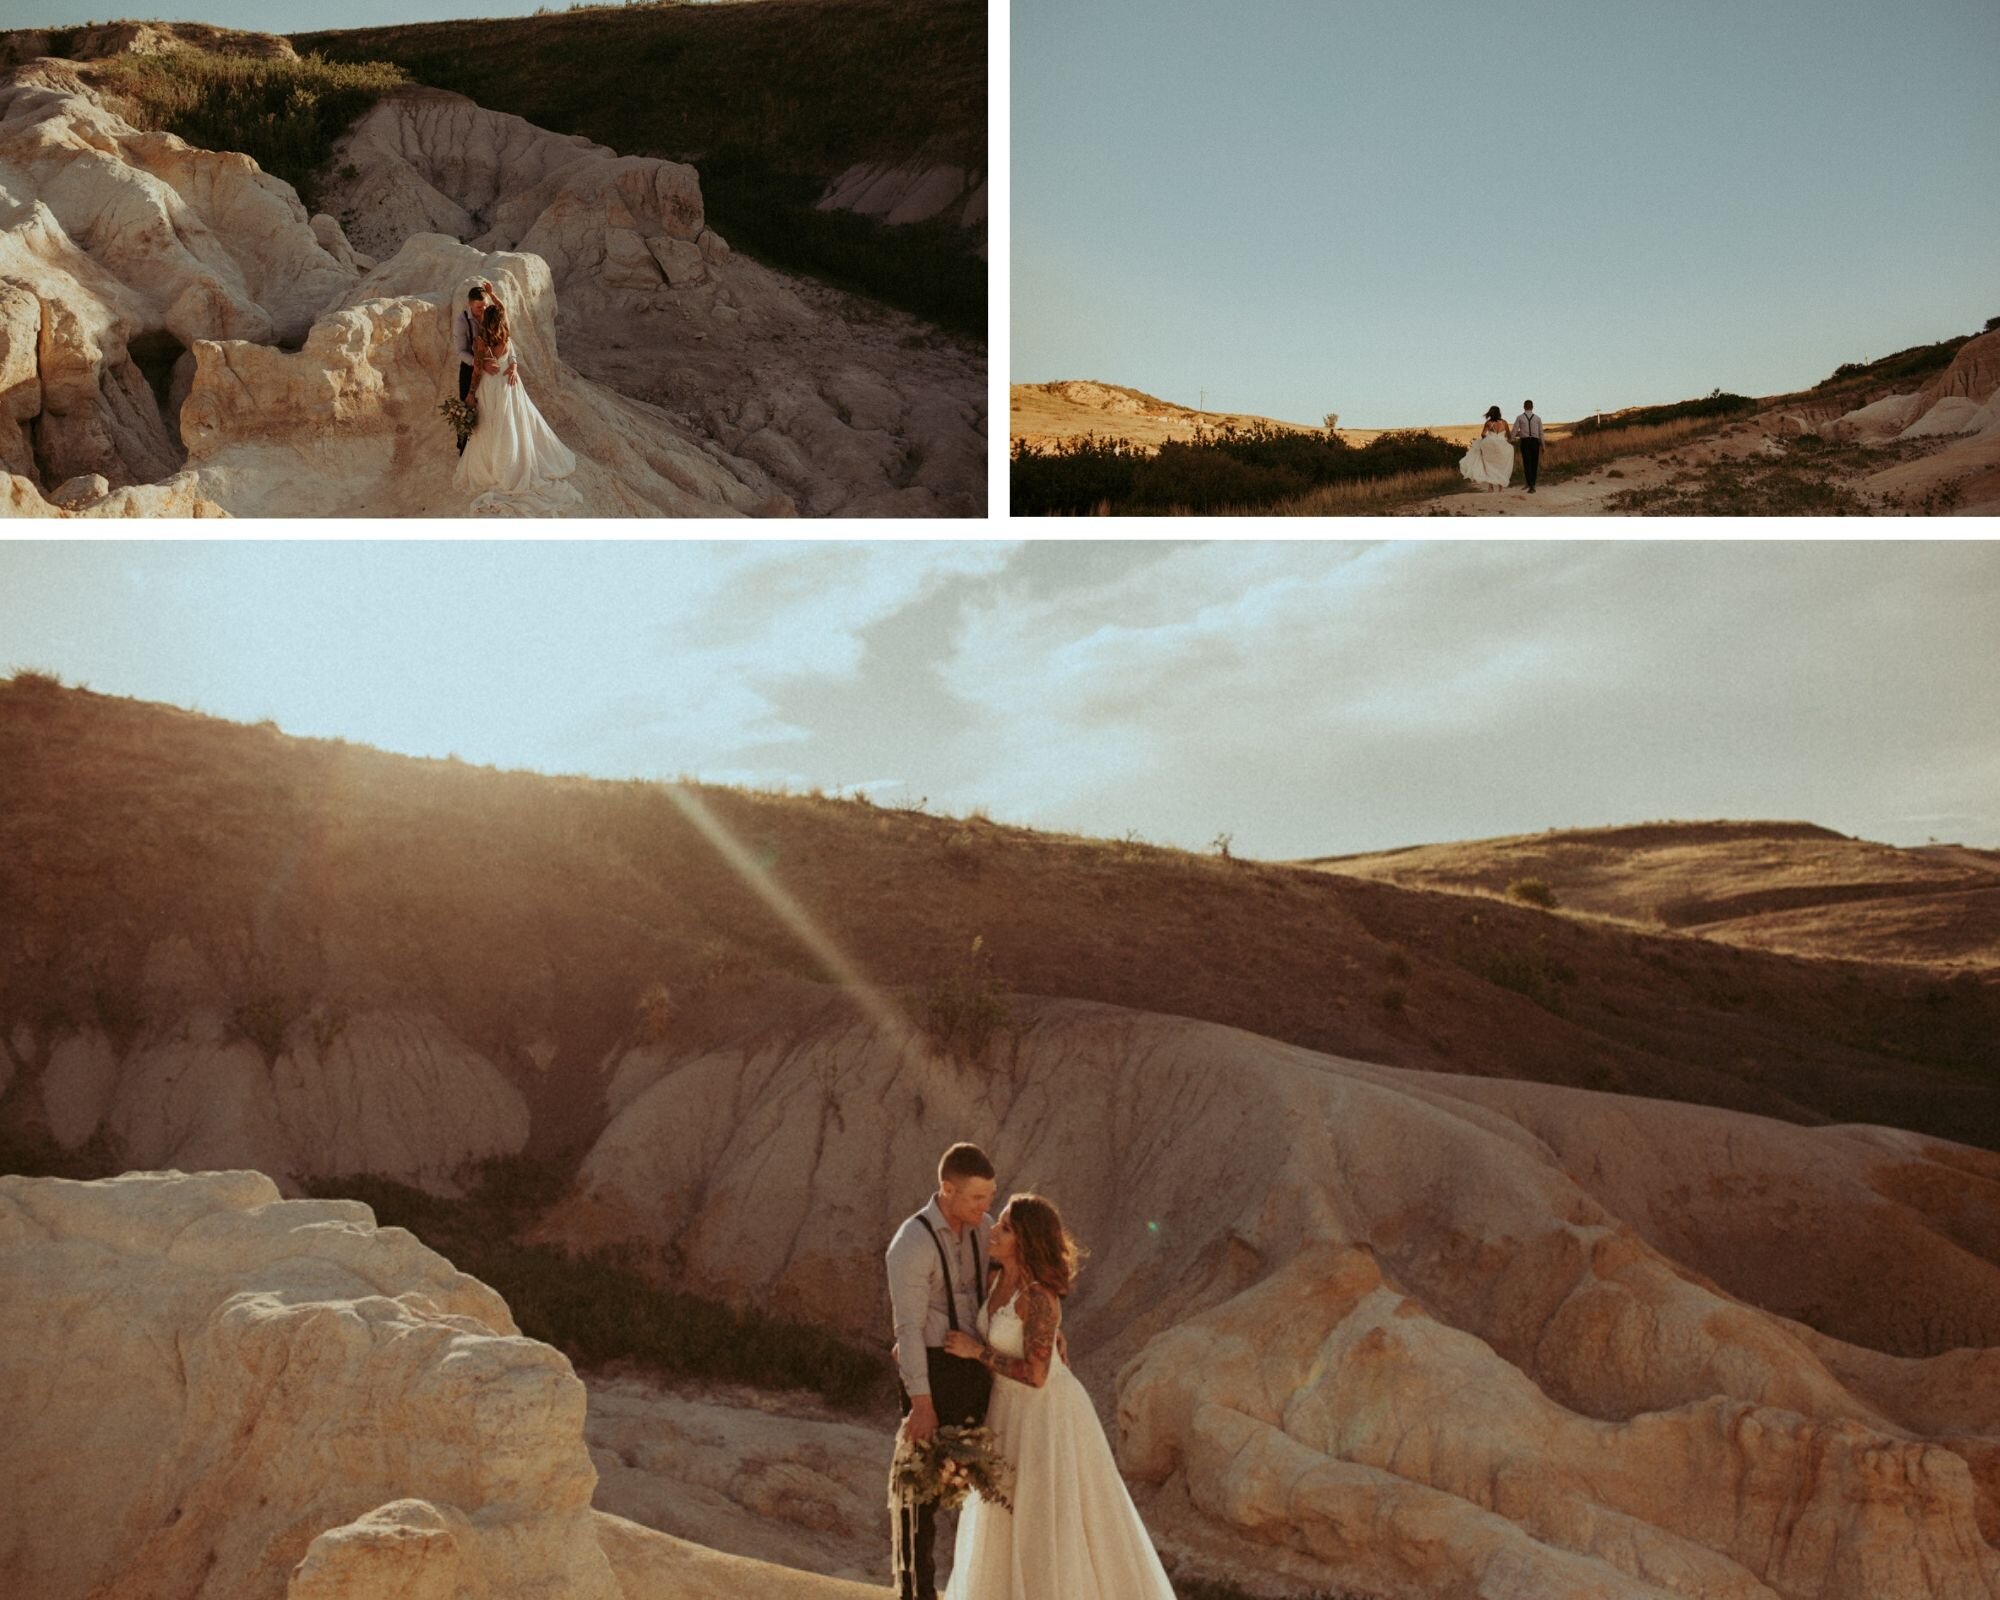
[[978, 1270]]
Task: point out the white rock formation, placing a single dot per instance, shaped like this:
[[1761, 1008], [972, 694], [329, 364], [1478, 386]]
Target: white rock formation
[[850, 409], [166, 309], [387, 1093], [432, 162], [209, 1391], [1956, 401], [1409, 1332], [214, 1393], [910, 192], [350, 420], [118, 251]]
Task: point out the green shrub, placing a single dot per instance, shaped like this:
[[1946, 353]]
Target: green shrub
[[1226, 468], [284, 115], [1915, 362], [1534, 891], [1714, 404], [601, 1307], [965, 1006]]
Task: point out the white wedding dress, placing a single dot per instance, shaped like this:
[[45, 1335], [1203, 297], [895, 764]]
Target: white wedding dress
[[513, 464], [1489, 461], [1074, 1533]]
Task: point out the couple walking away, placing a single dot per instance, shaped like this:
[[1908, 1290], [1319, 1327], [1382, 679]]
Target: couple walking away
[[1491, 459], [978, 1309], [512, 458]]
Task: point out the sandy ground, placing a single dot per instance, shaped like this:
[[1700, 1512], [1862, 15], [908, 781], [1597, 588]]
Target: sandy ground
[[1931, 463]]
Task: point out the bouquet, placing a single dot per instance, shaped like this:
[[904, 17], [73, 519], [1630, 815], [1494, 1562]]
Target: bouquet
[[951, 1464], [462, 416]]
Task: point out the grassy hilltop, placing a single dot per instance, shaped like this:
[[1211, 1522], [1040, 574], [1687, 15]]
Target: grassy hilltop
[[769, 98]]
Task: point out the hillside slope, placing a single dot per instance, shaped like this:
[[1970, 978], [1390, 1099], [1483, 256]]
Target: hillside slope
[[298, 897], [776, 102], [1777, 886]]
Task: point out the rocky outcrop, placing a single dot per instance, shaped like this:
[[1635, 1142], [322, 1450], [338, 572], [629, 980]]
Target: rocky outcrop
[[1959, 400], [1400, 1330], [432, 162], [95, 41], [119, 250], [910, 192], [847, 409], [804, 1491], [92, 496], [209, 1391], [347, 425]]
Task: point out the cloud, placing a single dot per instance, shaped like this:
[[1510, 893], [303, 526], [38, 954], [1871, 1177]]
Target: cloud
[[1313, 698]]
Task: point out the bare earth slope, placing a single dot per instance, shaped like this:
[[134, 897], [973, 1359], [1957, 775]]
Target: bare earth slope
[[1776, 886], [289, 909]]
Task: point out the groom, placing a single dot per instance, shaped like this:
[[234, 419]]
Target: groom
[[937, 1280], [461, 333]]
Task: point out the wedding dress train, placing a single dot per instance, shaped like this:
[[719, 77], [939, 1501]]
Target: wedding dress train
[[1074, 1533], [513, 463], [1490, 460]]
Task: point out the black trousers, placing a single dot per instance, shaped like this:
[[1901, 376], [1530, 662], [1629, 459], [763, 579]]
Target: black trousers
[[1531, 459], [464, 392], [960, 1390]]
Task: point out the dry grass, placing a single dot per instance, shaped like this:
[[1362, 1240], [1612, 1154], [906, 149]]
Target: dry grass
[[521, 908], [1371, 494], [1565, 456]]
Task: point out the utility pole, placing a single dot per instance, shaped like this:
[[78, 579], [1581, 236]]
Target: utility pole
[[1203, 407]]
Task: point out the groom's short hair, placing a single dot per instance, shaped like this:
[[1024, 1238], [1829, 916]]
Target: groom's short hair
[[475, 293], [964, 1161]]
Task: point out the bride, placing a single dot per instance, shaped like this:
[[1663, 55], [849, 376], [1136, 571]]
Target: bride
[[1490, 461], [1074, 1531], [513, 459]]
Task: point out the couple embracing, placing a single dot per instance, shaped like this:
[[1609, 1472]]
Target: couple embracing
[[978, 1310], [511, 454]]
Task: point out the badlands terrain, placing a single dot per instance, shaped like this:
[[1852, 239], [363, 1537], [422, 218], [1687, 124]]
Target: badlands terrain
[[1868, 442], [179, 336], [1443, 1245]]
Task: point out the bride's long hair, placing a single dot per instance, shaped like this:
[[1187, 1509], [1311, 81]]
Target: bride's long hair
[[1047, 1251], [494, 328]]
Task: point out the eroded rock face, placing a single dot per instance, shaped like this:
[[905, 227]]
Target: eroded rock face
[[118, 251], [433, 162], [209, 1391], [348, 424], [845, 407], [1403, 1331], [915, 192], [382, 1092]]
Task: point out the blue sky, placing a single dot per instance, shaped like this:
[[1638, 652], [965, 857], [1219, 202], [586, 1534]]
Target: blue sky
[[1406, 212], [1307, 697]]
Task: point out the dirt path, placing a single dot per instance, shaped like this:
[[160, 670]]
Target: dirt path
[[1752, 468]]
